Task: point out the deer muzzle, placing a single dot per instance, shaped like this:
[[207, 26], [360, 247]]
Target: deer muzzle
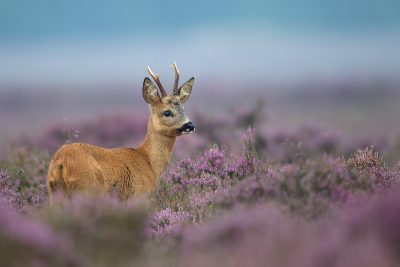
[[187, 128]]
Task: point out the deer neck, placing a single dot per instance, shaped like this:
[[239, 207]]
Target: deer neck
[[158, 148]]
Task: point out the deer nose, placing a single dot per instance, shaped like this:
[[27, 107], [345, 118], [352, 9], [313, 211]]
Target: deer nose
[[188, 127]]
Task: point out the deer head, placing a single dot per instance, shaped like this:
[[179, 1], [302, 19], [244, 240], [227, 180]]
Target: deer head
[[168, 115]]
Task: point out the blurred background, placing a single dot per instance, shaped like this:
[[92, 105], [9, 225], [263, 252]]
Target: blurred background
[[73, 70]]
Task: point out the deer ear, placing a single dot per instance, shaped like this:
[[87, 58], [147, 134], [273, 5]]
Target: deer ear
[[150, 92], [185, 90]]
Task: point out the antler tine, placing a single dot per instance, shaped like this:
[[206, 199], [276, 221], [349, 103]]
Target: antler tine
[[176, 84], [156, 78]]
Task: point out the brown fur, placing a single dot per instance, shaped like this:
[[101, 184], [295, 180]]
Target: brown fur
[[130, 172]]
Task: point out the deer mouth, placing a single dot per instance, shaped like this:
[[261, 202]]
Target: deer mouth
[[184, 132], [187, 131]]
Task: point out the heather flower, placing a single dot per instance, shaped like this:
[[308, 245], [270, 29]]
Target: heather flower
[[9, 194], [261, 235], [222, 206], [242, 166], [313, 186], [204, 181], [214, 169], [370, 165], [201, 200], [202, 172], [21, 192], [168, 222]]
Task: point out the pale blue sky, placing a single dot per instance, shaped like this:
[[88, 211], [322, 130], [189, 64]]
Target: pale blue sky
[[97, 41], [45, 19]]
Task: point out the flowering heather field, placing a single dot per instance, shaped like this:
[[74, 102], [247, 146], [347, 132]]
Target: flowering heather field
[[235, 195]]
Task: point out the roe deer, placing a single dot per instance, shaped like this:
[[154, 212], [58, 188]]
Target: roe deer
[[128, 171]]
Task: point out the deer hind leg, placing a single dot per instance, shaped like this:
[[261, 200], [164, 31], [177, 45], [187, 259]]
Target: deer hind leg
[[58, 190], [86, 179], [87, 184], [64, 181]]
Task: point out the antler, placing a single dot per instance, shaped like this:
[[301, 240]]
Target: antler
[[156, 78], [176, 84]]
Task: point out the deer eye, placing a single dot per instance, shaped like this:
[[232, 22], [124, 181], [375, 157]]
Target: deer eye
[[168, 113]]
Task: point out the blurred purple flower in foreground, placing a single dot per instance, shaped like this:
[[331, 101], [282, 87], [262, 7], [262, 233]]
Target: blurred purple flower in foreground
[[241, 197], [262, 235], [28, 243]]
